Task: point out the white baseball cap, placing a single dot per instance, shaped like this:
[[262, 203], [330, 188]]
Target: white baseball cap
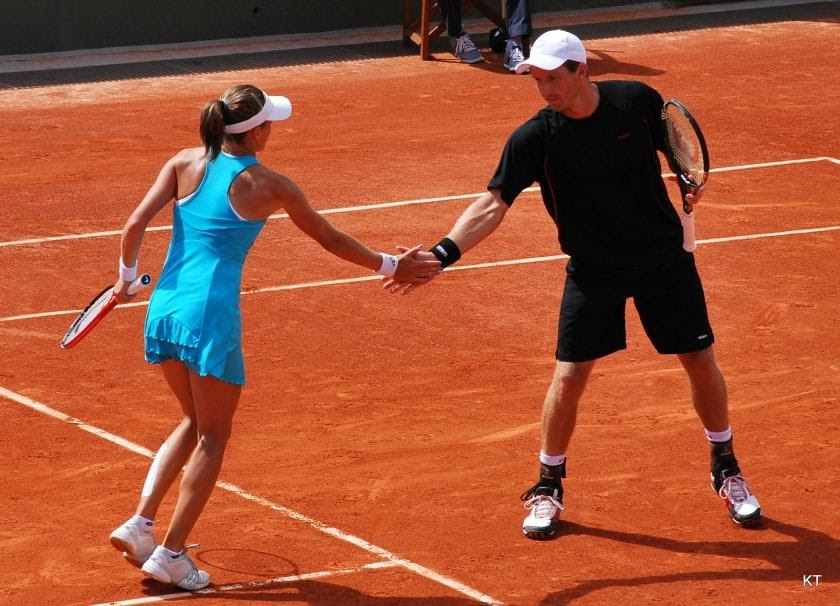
[[275, 108], [553, 49]]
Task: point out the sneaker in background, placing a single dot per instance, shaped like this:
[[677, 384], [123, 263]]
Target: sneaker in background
[[135, 540], [513, 55], [178, 570], [465, 49]]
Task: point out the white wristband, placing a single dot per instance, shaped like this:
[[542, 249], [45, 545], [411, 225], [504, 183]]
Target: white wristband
[[389, 265], [128, 274]]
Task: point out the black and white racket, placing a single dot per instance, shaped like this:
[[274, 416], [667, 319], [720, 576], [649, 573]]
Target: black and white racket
[[97, 309], [688, 157]]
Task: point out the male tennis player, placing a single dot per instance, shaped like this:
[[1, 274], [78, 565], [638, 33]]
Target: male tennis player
[[593, 151]]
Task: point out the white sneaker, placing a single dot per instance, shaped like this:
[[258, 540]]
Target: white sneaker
[[135, 541], [179, 571], [513, 55], [545, 504], [744, 508]]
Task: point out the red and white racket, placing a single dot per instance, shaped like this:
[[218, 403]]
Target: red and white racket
[[97, 309]]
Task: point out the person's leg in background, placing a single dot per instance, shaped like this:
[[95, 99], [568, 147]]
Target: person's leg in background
[[518, 21], [462, 45]]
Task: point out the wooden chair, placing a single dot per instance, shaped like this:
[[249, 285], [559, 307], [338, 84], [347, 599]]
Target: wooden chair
[[419, 31]]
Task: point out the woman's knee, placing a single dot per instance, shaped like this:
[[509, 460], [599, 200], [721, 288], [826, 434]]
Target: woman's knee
[[189, 429], [213, 442]]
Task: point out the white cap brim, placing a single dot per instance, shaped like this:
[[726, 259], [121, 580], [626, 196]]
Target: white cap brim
[[276, 108], [546, 62]]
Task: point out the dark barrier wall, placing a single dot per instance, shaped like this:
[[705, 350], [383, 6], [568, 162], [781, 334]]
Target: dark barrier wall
[[43, 26]]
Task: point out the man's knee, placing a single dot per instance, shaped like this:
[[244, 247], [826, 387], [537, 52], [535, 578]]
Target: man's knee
[[700, 362], [569, 377]]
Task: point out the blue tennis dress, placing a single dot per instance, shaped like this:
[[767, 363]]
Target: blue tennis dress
[[194, 314]]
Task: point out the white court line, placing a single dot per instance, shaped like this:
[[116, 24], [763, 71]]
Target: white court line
[[252, 585], [390, 559], [381, 205], [290, 513], [775, 234]]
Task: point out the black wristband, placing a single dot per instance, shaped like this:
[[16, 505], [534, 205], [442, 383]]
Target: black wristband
[[447, 252]]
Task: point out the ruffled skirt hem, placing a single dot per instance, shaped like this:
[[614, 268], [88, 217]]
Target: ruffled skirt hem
[[166, 339]]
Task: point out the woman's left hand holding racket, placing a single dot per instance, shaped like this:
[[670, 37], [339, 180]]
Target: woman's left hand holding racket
[[99, 307]]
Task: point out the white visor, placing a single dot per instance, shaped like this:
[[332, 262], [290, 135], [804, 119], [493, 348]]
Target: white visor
[[275, 108]]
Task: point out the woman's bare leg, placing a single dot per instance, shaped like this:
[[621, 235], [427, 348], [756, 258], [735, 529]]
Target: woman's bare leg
[[215, 403], [174, 452]]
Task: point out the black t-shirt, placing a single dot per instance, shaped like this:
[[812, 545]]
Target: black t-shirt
[[600, 179]]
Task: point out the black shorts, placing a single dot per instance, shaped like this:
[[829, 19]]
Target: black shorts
[[669, 299]]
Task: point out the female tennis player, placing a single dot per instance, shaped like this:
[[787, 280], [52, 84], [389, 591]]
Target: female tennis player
[[223, 196]]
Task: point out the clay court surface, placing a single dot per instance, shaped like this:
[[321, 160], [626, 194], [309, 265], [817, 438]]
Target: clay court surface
[[383, 441]]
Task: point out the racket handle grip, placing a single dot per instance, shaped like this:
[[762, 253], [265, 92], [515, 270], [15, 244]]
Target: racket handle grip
[[139, 284], [689, 243]]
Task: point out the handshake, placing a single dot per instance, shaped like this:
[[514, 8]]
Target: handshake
[[416, 267]]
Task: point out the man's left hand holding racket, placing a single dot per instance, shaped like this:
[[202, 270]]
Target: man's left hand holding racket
[[100, 305]]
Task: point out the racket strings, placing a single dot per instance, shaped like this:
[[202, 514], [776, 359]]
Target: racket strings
[[90, 314], [685, 146], [97, 309]]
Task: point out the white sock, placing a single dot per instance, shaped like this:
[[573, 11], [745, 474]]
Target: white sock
[[145, 524], [552, 460], [719, 436], [170, 553]]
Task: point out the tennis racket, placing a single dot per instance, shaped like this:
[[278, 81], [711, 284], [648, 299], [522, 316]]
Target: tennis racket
[[688, 157], [97, 309]]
